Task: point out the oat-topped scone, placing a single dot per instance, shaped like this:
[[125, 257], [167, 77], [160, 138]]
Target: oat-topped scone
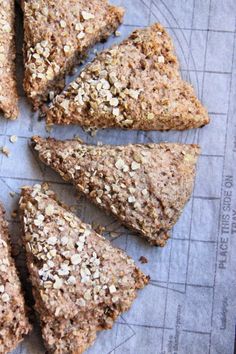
[[134, 85], [13, 319], [58, 34], [8, 89], [144, 186], [81, 283]]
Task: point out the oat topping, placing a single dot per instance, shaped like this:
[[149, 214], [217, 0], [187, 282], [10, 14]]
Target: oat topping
[[58, 34], [8, 90], [87, 15], [133, 85], [84, 285], [13, 320], [13, 139], [5, 297], [145, 186], [135, 166]]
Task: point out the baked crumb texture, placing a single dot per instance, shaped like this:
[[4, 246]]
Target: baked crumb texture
[[134, 85], [81, 283], [145, 186], [13, 319], [58, 34], [8, 89]]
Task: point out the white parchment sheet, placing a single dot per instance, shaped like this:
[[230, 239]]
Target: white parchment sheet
[[189, 305]]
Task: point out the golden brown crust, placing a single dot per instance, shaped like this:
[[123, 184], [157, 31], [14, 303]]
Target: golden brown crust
[[14, 324], [8, 89], [134, 85], [145, 186], [81, 283], [58, 34]]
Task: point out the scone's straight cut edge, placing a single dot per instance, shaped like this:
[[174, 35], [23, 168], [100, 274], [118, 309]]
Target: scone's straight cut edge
[[57, 35], [8, 86], [133, 85], [81, 283], [144, 186], [14, 324]]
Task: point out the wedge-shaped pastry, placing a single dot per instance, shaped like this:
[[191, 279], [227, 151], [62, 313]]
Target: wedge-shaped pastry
[[81, 283], [8, 90], [134, 85], [144, 186], [13, 319], [57, 34]]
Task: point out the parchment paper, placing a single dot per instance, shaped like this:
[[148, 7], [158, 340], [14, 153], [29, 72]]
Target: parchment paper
[[189, 306]]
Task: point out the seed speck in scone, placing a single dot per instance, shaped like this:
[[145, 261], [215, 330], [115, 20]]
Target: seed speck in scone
[[14, 323], [57, 34], [145, 186], [81, 283], [8, 89], [133, 85]]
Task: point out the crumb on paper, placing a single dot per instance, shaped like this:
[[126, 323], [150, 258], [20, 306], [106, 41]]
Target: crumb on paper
[[113, 234], [5, 151], [78, 138], [143, 260], [14, 214], [48, 128], [117, 33]]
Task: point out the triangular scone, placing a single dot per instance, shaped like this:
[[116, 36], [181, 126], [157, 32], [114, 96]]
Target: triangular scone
[[57, 34], [81, 283], [8, 89], [134, 85], [14, 323], [144, 186]]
